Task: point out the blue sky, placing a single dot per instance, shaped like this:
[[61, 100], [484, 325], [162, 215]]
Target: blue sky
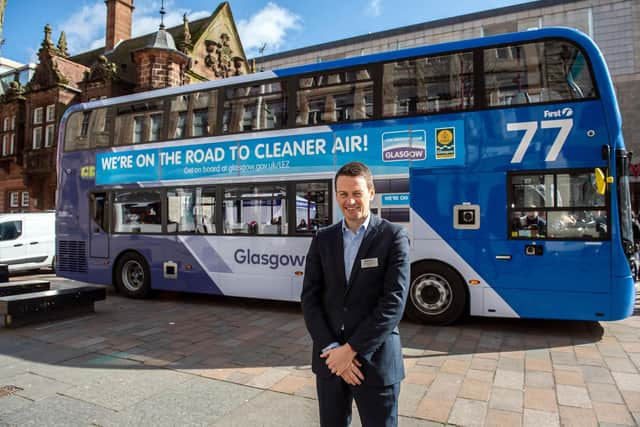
[[281, 24]]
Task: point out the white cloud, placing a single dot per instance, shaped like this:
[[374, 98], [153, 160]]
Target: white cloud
[[150, 23], [86, 28], [374, 8], [268, 26]]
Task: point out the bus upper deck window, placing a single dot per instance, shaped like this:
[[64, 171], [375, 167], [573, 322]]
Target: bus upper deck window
[[549, 71]]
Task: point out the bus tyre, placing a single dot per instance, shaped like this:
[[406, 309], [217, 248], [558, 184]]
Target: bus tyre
[[132, 277], [436, 295]]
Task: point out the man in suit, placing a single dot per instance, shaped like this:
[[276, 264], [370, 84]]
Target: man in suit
[[354, 292]]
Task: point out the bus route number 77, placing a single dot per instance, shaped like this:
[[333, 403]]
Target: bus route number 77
[[530, 129]]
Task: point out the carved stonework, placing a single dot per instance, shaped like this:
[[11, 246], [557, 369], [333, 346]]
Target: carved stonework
[[185, 45], [220, 58], [47, 43], [102, 69], [62, 45], [47, 73], [14, 91]]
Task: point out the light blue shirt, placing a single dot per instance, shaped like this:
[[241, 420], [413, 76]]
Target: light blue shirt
[[351, 242]]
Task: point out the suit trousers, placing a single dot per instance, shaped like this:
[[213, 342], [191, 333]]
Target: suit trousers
[[377, 406]]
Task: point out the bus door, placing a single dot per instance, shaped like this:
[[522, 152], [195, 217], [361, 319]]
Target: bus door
[[556, 257], [99, 225]]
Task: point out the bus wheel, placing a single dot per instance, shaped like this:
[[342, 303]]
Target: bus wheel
[[132, 277], [436, 294]]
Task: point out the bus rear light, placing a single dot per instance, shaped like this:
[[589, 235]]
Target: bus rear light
[[474, 282], [188, 267], [299, 273]]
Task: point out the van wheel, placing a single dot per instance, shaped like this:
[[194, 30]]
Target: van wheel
[[133, 278], [436, 295]]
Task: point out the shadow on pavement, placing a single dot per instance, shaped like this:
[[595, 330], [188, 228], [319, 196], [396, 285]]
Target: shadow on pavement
[[205, 333]]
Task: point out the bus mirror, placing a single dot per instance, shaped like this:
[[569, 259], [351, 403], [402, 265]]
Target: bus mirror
[[601, 184]]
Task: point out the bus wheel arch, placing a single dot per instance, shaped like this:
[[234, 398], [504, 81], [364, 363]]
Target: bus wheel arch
[[437, 293], [132, 275]]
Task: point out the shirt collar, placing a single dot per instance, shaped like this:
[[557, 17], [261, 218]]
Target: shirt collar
[[363, 226]]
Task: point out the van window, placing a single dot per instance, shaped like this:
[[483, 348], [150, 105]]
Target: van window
[[10, 230]]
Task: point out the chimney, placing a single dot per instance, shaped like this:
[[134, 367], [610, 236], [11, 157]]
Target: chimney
[[118, 22]]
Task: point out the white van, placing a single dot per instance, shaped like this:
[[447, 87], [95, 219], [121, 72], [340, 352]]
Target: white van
[[27, 240]]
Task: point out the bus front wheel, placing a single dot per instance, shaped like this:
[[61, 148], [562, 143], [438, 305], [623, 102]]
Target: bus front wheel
[[436, 295], [132, 277]]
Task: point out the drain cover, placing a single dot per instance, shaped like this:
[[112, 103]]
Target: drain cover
[[6, 390]]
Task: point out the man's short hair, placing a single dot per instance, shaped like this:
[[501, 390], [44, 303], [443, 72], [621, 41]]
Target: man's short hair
[[356, 169]]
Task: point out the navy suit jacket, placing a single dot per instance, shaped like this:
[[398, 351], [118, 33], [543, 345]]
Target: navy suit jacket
[[364, 312]]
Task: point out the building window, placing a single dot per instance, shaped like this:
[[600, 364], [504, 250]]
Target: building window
[[51, 113], [37, 116], [49, 136], [8, 143], [14, 199], [25, 199], [37, 138], [137, 129], [155, 127], [5, 124], [13, 122]]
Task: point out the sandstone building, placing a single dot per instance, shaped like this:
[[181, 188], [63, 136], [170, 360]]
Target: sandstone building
[[30, 111]]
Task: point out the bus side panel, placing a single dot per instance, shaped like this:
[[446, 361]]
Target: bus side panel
[[557, 304], [623, 298], [191, 276], [570, 270], [252, 266]]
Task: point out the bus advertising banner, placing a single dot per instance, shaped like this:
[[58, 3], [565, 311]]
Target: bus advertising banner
[[384, 149]]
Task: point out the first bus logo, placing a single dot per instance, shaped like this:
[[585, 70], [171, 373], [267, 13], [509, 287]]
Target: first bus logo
[[559, 113]]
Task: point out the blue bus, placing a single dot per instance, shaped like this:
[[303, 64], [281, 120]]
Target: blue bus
[[517, 202]]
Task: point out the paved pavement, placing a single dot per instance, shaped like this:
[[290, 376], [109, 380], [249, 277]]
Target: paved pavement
[[180, 360]]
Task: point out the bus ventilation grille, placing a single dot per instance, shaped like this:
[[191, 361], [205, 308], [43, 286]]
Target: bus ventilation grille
[[72, 256]]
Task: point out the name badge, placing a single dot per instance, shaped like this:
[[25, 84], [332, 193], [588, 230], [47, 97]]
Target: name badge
[[368, 262]]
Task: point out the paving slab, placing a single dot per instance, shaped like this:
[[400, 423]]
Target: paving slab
[[203, 360], [273, 409], [195, 402], [57, 411], [124, 388]]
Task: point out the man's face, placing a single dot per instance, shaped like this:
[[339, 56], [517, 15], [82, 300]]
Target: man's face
[[354, 198]]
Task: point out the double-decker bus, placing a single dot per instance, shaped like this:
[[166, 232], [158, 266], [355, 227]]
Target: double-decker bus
[[517, 206]]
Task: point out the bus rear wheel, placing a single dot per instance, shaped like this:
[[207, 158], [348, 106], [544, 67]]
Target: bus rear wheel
[[436, 295], [132, 276]]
